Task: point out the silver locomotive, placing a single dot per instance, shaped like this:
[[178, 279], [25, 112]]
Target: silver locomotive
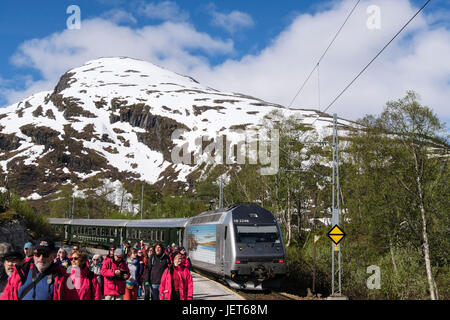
[[242, 244]]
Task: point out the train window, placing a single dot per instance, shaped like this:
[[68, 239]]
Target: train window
[[225, 233], [162, 235], [152, 236], [139, 234], [252, 234]]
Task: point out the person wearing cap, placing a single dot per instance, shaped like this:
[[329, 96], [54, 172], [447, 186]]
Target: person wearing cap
[[39, 278], [11, 259], [28, 251], [115, 272], [176, 281]]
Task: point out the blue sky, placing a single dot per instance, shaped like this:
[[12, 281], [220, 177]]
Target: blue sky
[[235, 38]]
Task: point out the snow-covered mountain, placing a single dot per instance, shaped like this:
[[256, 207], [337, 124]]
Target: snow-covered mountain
[[113, 118]]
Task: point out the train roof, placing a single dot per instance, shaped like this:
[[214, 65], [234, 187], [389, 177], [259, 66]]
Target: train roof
[[156, 223], [59, 220], [234, 207]]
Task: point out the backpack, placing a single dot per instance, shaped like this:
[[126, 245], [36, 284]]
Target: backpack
[[91, 276], [23, 278]]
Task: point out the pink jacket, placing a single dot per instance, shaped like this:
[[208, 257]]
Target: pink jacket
[[15, 282], [79, 287], [185, 262], [113, 286], [186, 284]]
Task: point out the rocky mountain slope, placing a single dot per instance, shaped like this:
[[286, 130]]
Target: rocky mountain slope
[[113, 118]]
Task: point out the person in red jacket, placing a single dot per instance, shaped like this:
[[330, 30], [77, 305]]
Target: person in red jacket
[[176, 281], [39, 278], [185, 261], [82, 284], [115, 272]]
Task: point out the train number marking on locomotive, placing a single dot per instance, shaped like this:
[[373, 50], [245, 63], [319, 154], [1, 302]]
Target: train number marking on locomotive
[[241, 221]]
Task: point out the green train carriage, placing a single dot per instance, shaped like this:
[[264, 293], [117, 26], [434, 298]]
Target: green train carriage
[[107, 232]]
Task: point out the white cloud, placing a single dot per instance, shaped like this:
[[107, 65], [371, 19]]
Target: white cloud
[[231, 22], [165, 10], [168, 44], [119, 16], [417, 59]]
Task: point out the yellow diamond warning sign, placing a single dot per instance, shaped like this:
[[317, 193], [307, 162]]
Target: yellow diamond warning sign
[[336, 234]]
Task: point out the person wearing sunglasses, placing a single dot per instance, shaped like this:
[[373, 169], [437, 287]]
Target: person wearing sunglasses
[[39, 278], [82, 283]]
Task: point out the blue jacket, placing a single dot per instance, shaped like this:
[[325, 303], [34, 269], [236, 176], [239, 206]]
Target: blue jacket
[[136, 270]]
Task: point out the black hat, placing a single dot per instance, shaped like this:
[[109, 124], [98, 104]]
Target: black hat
[[13, 255], [45, 244]]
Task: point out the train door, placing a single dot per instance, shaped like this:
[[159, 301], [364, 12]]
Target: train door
[[222, 249]]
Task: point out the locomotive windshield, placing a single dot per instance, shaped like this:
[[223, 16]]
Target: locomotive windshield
[[253, 234]]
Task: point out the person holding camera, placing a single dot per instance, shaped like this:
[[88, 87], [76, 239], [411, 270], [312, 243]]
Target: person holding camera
[[115, 272]]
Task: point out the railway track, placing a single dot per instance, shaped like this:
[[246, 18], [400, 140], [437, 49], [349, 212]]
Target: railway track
[[250, 295]]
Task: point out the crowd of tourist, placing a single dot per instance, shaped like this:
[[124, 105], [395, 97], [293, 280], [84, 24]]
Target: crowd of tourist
[[44, 272]]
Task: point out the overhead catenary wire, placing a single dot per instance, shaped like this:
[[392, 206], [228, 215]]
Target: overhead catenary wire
[[323, 54], [376, 56], [364, 69], [371, 61]]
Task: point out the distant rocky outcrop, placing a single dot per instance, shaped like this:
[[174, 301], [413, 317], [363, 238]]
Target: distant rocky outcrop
[[14, 233]]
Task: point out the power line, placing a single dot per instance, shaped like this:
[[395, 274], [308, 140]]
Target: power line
[[367, 66], [323, 55], [364, 69]]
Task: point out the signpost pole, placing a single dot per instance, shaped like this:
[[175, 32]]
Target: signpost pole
[[333, 208], [337, 197], [221, 193], [336, 211]]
